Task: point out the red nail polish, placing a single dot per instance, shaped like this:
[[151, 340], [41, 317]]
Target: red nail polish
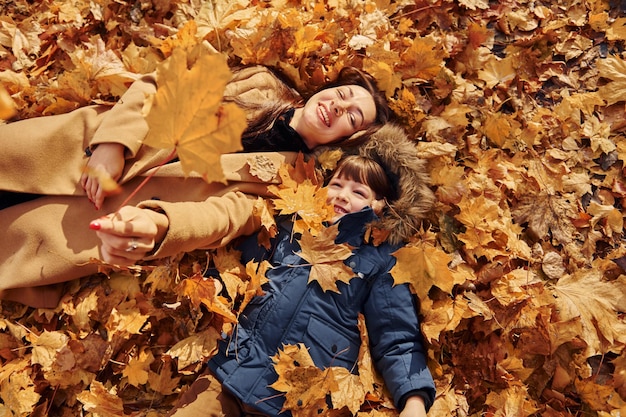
[[94, 226]]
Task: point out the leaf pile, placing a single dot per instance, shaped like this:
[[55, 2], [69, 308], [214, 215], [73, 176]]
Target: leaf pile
[[518, 107]]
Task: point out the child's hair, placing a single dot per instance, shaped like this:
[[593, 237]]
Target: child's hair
[[369, 172]]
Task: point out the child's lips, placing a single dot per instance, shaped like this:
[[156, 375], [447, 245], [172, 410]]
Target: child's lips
[[340, 210]]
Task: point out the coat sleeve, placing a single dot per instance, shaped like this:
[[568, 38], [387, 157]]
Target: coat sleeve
[[396, 342], [258, 85], [208, 224], [124, 123]]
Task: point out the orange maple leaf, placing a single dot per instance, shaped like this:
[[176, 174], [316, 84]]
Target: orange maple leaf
[[501, 129], [187, 113], [326, 258], [423, 266], [201, 290], [423, 59], [308, 202]]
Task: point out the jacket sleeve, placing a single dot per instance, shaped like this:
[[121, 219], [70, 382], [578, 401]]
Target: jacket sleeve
[[207, 224], [396, 342], [124, 123]]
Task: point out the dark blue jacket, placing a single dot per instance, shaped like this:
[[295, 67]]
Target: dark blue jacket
[[292, 312]]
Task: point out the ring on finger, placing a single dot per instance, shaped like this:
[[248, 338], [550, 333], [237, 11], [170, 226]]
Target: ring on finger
[[132, 246]]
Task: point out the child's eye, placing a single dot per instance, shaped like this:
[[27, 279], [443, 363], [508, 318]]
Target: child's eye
[[340, 94]]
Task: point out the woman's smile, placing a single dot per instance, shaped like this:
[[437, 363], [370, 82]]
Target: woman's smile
[[323, 114]]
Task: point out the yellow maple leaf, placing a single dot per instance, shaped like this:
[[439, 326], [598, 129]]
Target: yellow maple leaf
[[545, 213], [232, 272], [370, 379], [613, 69], [256, 272], [138, 366], [185, 38], [306, 40], [423, 59], [497, 71], [46, 346], [346, 389], [187, 113], [501, 129], [100, 401], [326, 258], [585, 295], [125, 319], [308, 202], [195, 349], [329, 158], [423, 266], [382, 69], [512, 401]]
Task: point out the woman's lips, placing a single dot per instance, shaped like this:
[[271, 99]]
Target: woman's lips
[[323, 114]]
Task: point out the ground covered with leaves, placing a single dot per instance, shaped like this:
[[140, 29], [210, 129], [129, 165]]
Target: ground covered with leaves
[[518, 106]]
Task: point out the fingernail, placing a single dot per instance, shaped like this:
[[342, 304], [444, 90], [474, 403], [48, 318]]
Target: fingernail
[[94, 226]]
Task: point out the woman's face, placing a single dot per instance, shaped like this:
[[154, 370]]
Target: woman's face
[[348, 196], [334, 114]]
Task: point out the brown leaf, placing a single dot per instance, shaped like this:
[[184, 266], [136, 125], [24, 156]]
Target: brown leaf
[[326, 258], [203, 290], [546, 213], [100, 401], [195, 349], [585, 295]]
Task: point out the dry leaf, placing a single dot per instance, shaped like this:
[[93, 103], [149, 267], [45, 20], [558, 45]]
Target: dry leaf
[[326, 258], [187, 113]]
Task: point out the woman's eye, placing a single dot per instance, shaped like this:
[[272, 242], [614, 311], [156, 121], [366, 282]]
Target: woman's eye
[[340, 93], [352, 120]]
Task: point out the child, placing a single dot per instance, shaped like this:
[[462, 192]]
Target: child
[[294, 311]]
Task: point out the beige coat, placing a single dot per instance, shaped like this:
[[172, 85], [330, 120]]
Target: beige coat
[[47, 240]]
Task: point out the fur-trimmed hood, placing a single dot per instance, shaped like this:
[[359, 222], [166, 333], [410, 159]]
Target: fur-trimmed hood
[[391, 147]]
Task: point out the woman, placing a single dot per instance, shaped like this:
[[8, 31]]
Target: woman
[[46, 241]]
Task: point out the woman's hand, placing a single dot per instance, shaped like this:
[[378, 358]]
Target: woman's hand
[[414, 407], [107, 158], [128, 235]]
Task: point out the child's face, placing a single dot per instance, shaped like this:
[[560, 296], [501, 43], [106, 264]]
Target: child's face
[[348, 196]]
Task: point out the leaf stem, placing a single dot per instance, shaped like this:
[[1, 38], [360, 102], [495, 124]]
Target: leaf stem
[[140, 186]]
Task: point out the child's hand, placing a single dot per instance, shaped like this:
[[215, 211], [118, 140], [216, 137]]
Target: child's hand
[[108, 158], [414, 407], [128, 235]]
